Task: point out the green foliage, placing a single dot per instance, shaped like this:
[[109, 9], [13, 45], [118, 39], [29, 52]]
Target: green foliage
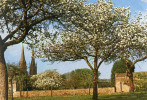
[[104, 83], [119, 67], [23, 80], [79, 78], [13, 70], [140, 81], [17, 74]]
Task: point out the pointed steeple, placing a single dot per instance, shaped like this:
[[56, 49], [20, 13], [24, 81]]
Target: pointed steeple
[[33, 66], [22, 63], [33, 58], [22, 54]]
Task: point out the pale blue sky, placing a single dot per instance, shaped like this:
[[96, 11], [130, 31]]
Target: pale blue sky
[[13, 53]]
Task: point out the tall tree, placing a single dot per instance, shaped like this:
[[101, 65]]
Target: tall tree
[[22, 18], [99, 34], [135, 59], [134, 36]]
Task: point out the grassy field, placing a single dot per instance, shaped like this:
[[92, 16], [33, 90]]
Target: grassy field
[[116, 96]]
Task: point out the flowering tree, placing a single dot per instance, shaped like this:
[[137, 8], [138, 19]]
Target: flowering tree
[[21, 18], [46, 80], [100, 32], [134, 36]]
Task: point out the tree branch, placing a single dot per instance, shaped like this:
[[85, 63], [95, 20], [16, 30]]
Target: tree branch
[[30, 16], [12, 33], [85, 58], [141, 59], [26, 30], [51, 16], [107, 56], [17, 40]]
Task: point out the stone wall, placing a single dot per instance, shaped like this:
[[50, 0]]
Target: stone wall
[[121, 85], [63, 92]]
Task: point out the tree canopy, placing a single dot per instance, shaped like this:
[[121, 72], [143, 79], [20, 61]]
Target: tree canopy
[[79, 78], [98, 32], [26, 18], [94, 32]]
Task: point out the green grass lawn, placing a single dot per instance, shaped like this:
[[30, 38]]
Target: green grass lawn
[[116, 96]]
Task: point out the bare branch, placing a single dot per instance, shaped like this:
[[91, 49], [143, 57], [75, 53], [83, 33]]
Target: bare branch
[[30, 16], [10, 35], [49, 17], [17, 40], [141, 59], [85, 58], [107, 56]]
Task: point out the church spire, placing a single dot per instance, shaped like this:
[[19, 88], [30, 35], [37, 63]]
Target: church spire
[[33, 58], [22, 63], [22, 54], [33, 66]]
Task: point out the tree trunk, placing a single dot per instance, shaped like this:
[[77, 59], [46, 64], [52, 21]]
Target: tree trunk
[[11, 89], [3, 74], [89, 88], [20, 88], [51, 92], [130, 75], [131, 88], [95, 81]]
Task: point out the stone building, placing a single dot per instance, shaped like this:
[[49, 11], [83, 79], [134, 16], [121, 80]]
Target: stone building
[[33, 65], [121, 82]]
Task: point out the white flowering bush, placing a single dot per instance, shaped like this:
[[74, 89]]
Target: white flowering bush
[[46, 80]]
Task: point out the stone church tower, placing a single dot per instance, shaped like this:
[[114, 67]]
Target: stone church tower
[[22, 62], [32, 66]]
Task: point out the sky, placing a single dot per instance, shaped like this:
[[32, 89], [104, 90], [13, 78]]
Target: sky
[[13, 53]]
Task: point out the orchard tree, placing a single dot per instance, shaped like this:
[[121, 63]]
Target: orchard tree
[[21, 18], [46, 80], [134, 35], [98, 35]]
